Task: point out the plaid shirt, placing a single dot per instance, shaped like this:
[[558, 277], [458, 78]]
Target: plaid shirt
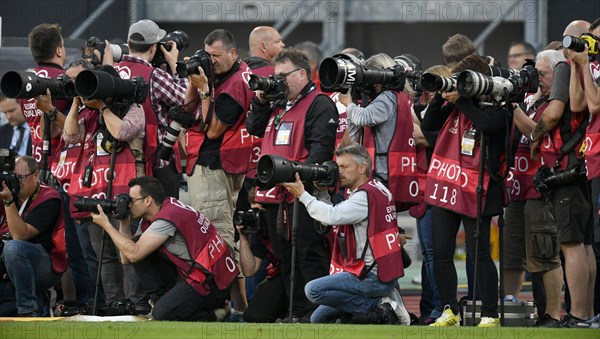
[[165, 92]]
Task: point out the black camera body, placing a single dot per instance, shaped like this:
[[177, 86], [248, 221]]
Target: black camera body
[[273, 170], [342, 72], [180, 119], [252, 220], [274, 86], [199, 59], [119, 207], [27, 85], [545, 180], [181, 41], [7, 171], [95, 43]]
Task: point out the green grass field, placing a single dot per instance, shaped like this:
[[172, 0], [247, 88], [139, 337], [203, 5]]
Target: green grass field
[[152, 329]]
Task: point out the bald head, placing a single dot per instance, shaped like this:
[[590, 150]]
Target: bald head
[[265, 42], [577, 27]]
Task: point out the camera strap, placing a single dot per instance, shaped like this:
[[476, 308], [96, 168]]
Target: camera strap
[[571, 139]]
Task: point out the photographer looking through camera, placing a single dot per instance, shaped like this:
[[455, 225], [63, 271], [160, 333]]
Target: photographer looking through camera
[[387, 133], [303, 131], [453, 196], [164, 91], [36, 256], [362, 271], [102, 129], [180, 255]]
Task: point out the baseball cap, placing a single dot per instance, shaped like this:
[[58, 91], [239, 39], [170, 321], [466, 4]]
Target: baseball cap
[[148, 29]]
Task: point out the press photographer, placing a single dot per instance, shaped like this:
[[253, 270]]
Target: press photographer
[[110, 121], [269, 301], [558, 137], [362, 271], [180, 255], [149, 48], [303, 132], [464, 131], [35, 257], [383, 125]]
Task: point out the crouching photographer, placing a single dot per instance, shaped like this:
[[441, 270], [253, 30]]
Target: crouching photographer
[[366, 260], [268, 302], [32, 228], [180, 256]]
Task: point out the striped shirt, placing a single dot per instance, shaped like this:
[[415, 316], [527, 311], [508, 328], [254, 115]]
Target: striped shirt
[[165, 92]]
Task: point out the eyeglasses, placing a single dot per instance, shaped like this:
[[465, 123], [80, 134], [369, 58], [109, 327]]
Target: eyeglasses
[[24, 176], [80, 61], [136, 199], [285, 75]]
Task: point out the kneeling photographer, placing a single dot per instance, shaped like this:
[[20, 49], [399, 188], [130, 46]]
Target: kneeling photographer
[[304, 130], [109, 122], [451, 189], [366, 260], [32, 229], [180, 255]]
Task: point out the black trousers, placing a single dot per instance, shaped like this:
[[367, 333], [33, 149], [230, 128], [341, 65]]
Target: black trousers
[[169, 178], [174, 298], [269, 302], [445, 225], [312, 256]]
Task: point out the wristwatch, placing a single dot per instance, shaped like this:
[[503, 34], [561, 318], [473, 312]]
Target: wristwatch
[[204, 95], [8, 202], [52, 114]]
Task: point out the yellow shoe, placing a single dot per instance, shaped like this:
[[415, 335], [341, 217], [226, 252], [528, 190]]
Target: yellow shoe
[[448, 318], [489, 322]]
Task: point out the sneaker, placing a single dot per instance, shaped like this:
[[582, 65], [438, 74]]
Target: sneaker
[[235, 317], [448, 318], [569, 321], [395, 300], [594, 322], [547, 321], [510, 297], [489, 322]]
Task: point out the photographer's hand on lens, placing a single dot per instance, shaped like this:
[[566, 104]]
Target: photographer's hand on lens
[[172, 55], [580, 58], [44, 102], [260, 95], [451, 96], [200, 81], [5, 194], [100, 218], [296, 187], [108, 54]]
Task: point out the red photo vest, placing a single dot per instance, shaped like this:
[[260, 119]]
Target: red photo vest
[[236, 150], [93, 155], [524, 170], [208, 250], [287, 141], [34, 115], [382, 231], [452, 176], [128, 70], [592, 135], [58, 253], [401, 155]]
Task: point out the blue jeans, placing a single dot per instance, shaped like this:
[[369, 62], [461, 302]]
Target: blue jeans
[[426, 241], [30, 270], [345, 293]]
